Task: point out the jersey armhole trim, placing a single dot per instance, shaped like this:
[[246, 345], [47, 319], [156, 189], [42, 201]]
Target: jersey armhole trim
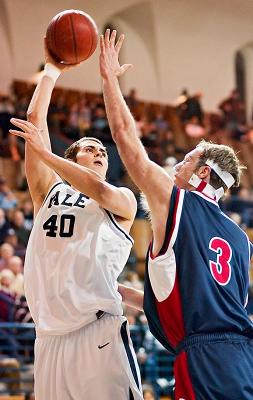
[[50, 191], [113, 220], [249, 246], [172, 236]]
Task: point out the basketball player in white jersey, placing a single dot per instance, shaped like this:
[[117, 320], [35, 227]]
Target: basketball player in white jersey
[[78, 247]]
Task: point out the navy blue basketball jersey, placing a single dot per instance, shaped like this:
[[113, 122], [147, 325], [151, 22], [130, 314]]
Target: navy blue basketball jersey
[[198, 283]]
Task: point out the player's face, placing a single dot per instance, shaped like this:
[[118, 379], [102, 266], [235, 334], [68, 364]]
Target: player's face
[[185, 169], [94, 156]]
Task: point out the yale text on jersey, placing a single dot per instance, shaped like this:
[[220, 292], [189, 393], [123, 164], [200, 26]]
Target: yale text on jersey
[[68, 200]]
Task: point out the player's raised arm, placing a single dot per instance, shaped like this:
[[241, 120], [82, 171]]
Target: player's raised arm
[[39, 176], [90, 181], [148, 176]]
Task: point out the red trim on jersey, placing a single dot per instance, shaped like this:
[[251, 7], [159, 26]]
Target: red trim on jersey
[[184, 388], [201, 186], [152, 256], [204, 194], [171, 316]]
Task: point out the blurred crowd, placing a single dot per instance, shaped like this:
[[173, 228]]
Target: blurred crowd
[[167, 132]]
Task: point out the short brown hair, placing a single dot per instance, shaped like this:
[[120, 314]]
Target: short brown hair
[[71, 152], [225, 157]]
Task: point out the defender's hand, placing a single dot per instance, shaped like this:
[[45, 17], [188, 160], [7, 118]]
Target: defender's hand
[[109, 55]]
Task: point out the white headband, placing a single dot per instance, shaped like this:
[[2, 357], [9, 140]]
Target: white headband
[[225, 176], [206, 188]]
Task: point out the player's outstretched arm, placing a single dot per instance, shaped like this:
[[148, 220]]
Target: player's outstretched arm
[[131, 297], [119, 201], [148, 176], [39, 176]]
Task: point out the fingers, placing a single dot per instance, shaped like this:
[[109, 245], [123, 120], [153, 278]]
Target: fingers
[[112, 38], [102, 44], [22, 124], [119, 43], [124, 68], [24, 135], [107, 37]]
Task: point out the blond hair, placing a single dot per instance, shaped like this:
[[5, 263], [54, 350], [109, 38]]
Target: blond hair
[[225, 157]]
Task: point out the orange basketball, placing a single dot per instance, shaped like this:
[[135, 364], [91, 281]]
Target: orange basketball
[[72, 36]]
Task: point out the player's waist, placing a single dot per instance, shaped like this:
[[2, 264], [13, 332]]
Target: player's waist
[[207, 338], [60, 332]]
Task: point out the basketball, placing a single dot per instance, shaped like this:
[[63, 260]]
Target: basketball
[[71, 36]]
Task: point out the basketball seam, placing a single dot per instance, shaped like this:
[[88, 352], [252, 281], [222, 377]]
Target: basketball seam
[[54, 34], [74, 38], [91, 25]]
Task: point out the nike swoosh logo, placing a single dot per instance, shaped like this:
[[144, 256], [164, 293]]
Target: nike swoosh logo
[[100, 347]]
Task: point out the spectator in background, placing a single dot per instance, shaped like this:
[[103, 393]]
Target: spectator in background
[[233, 110], [194, 108], [194, 130], [10, 371], [27, 209], [8, 200], [4, 226], [12, 239], [8, 146], [161, 124], [99, 125], [17, 147], [6, 278], [7, 298], [148, 392], [18, 224], [133, 279], [21, 106], [72, 127], [241, 204], [16, 267], [57, 114], [6, 252], [190, 106], [132, 99], [22, 313], [6, 113], [155, 362], [84, 116], [7, 311]]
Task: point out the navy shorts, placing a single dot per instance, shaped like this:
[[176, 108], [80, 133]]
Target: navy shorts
[[214, 367]]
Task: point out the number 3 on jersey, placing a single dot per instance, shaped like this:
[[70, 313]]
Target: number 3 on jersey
[[221, 269], [67, 223]]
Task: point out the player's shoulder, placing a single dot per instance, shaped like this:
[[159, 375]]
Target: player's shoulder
[[129, 201], [57, 184], [129, 193]]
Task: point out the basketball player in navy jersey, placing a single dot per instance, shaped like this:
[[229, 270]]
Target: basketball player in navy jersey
[[197, 264], [78, 247]]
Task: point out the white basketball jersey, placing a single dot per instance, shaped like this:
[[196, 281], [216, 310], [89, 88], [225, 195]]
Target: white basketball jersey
[[75, 254]]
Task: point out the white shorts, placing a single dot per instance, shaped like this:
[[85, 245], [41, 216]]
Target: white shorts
[[95, 362]]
